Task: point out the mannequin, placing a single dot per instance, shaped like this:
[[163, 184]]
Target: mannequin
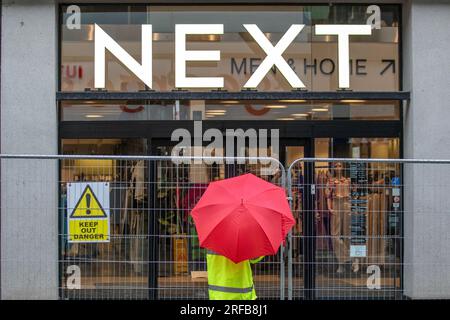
[[338, 203]]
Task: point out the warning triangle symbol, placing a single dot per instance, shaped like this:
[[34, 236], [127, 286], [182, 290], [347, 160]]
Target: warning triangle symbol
[[88, 206]]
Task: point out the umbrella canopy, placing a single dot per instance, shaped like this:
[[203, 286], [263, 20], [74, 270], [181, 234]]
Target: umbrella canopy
[[243, 218]]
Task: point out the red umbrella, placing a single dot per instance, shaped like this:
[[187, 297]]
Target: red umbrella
[[243, 218]]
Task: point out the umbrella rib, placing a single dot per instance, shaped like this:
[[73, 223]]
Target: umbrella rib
[[212, 205], [227, 191], [275, 210], [262, 192], [229, 194], [215, 227], [259, 226]]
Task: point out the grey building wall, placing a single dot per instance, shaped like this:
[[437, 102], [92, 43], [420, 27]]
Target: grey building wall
[[29, 221], [427, 132], [29, 125]]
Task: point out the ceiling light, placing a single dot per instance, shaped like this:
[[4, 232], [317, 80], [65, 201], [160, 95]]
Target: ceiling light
[[93, 116], [156, 36], [353, 101], [230, 101], [299, 114], [319, 109], [90, 32], [285, 119], [276, 107], [293, 101], [217, 110], [213, 37]]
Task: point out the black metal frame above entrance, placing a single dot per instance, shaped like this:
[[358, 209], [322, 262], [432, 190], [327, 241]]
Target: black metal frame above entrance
[[288, 129], [240, 95]]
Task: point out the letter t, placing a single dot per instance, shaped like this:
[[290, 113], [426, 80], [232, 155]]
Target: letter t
[[343, 31]]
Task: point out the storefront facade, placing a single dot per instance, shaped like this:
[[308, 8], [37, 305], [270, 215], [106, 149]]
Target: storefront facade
[[377, 110]]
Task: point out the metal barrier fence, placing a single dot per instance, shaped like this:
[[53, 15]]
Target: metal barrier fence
[[355, 236], [352, 214], [153, 251]]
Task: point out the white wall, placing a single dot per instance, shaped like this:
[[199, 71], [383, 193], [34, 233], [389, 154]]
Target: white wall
[[29, 221], [427, 131]]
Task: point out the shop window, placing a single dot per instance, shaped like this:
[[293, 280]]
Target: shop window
[[374, 59], [281, 110]]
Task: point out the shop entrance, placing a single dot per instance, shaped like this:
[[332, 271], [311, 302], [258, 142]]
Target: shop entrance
[[175, 193], [154, 254]]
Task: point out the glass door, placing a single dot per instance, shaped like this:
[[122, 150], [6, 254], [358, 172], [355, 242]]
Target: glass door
[[117, 269], [358, 246], [179, 270], [300, 253]]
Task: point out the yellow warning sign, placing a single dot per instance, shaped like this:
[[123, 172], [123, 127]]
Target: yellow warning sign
[[88, 206], [89, 230], [88, 212]]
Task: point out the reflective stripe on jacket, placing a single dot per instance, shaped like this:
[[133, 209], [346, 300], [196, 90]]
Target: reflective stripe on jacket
[[228, 280]]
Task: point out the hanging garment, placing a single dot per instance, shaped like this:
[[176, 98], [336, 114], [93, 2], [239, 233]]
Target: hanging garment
[[136, 243], [190, 199], [323, 241], [117, 200], [338, 191], [137, 178], [340, 228], [193, 194]]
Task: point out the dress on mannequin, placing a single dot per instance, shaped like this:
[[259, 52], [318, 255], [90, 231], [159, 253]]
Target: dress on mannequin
[[338, 202]]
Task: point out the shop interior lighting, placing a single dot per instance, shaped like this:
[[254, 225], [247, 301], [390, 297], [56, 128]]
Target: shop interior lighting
[[230, 102], [277, 107], [93, 116], [215, 115], [90, 32], [299, 115], [353, 101], [293, 101], [156, 36]]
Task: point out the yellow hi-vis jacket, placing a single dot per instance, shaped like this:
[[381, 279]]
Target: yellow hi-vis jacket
[[228, 280]]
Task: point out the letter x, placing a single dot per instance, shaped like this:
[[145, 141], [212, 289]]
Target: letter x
[[274, 56]]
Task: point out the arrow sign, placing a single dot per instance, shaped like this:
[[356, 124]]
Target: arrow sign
[[390, 63]]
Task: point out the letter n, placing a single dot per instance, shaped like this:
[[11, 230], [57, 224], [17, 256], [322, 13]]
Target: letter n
[[103, 41]]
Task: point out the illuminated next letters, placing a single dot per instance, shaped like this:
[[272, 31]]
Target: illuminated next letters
[[273, 57]]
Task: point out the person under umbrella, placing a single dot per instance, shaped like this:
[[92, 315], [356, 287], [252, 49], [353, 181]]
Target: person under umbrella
[[240, 220]]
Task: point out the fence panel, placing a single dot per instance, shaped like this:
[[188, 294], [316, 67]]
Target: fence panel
[[154, 251], [351, 239], [366, 229]]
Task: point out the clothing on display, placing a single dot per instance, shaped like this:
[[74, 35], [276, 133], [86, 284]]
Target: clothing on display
[[193, 194], [129, 203], [199, 179], [338, 200], [338, 195], [138, 180], [376, 227], [340, 228], [322, 214], [136, 243], [190, 199], [117, 200]]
